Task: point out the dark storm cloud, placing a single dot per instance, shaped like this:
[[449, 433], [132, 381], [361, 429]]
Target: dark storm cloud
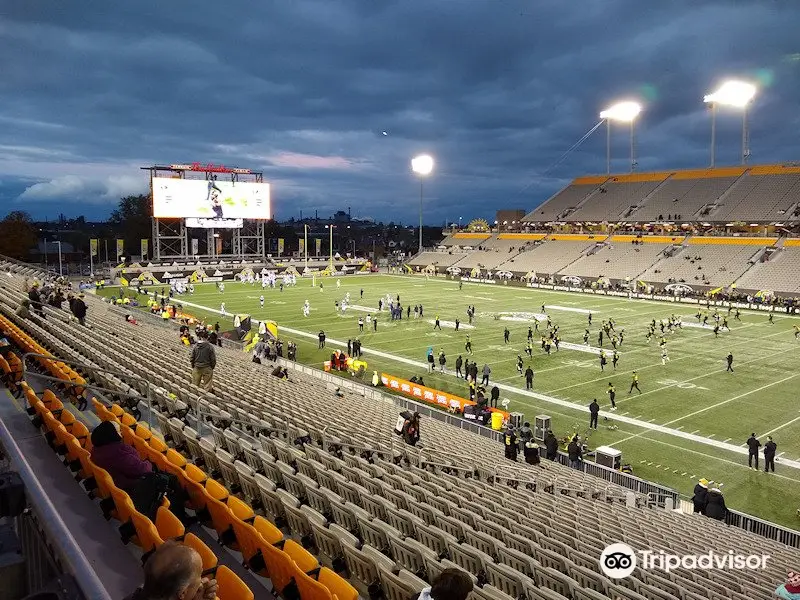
[[496, 90]]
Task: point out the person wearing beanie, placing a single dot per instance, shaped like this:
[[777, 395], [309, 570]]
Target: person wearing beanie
[[700, 497], [791, 589]]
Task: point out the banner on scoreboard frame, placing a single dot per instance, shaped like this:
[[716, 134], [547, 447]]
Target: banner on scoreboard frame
[[120, 248], [319, 246], [195, 246], [195, 223], [281, 243], [184, 198], [143, 246]]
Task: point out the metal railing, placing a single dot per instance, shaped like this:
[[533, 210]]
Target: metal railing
[[68, 552]]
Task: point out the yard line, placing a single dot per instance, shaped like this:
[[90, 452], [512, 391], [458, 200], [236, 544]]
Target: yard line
[[726, 440], [550, 399], [780, 427], [702, 410]]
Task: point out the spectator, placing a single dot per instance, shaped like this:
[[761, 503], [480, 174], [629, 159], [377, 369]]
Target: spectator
[[531, 451], [203, 360], [510, 443], [700, 497], [78, 308], [23, 310], [411, 430], [35, 298], [791, 589], [551, 443], [135, 476], [451, 584], [575, 453], [175, 572], [715, 506]]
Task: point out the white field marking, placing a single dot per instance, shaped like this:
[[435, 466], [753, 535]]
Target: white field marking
[[557, 401], [585, 311], [679, 427], [695, 431], [726, 440], [780, 427], [444, 323], [779, 454], [520, 319], [583, 348], [484, 298], [702, 410], [701, 326], [365, 309]]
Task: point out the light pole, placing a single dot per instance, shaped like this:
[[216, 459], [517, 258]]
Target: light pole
[[459, 223], [625, 112], [731, 93], [60, 269], [422, 165], [305, 243]]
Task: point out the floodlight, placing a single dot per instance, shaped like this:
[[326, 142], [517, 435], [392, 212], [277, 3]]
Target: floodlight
[[732, 93], [422, 164], [623, 111]]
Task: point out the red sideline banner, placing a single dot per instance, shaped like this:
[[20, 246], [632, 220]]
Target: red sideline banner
[[430, 395]]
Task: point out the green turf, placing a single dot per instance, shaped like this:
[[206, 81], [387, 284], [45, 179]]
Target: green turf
[[692, 392]]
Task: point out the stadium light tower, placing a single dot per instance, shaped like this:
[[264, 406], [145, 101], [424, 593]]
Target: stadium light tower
[[624, 112], [731, 93], [422, 165]]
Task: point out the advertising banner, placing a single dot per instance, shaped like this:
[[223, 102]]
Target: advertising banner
[[280, 246], [196, 223], [93, 244], [319, 246], [184, 198], [195, 246], [441, 399], [302, 246], [120, 248], [144, 246]]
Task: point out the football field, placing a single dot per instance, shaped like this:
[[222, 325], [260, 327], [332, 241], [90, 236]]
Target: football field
[[690, 420]]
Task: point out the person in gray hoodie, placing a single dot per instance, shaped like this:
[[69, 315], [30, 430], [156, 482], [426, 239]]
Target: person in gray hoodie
[[451, 584]]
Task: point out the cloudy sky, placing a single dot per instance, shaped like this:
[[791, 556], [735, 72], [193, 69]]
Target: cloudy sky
[[495, 90]]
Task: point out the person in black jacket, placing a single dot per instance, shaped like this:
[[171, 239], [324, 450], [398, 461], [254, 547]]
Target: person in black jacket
[[575, 453], [528, 378], [531, 452], [495, 396], [78, 307], [594, 411], [510, 443], [715, 505], [35, 297], [752, 450], [551, 443], [769, 455], [700, 497], [459, 364], [410, 430]]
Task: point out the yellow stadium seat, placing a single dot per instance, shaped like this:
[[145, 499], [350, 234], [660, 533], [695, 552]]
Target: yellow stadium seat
[[230, 586], [206, 555], [338, 586], [168, 525], [306, 561]]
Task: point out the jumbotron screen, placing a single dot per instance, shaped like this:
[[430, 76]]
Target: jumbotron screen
[[198, 198]]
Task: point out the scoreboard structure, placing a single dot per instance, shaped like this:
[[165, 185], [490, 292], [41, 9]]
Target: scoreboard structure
[[206, 211]]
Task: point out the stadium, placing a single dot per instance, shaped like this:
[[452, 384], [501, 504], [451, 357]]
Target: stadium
[[298, 483], [593, 397]]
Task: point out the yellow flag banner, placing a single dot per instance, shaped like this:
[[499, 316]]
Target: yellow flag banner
[[319, 246], [281, 243], [302, 246], [144, 247], [120, 248], [93, 244]]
